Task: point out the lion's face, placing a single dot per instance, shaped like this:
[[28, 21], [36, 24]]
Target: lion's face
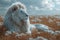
[[18, 12], [19, 15]]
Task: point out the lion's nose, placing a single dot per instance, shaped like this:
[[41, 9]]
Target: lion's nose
[[26, 15]]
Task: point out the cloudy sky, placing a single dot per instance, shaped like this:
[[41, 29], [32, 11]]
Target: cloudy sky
[[34, 7]]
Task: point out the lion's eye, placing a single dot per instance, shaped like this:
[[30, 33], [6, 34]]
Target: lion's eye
[[15, 8]]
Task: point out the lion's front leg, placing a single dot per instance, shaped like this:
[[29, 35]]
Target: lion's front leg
[[31, 28]]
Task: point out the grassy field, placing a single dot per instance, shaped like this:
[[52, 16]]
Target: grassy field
[[51, 21]]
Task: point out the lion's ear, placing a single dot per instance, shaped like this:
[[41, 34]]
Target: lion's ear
[[14, 8]]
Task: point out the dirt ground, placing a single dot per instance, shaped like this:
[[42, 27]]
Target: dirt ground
[[51, 21]]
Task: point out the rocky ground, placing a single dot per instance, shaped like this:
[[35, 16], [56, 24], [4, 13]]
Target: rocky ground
[[51, 21]]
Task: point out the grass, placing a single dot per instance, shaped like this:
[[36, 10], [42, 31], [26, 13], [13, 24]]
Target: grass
[[35, 33]]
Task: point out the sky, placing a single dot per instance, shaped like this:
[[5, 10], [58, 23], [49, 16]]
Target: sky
[[34, 7]]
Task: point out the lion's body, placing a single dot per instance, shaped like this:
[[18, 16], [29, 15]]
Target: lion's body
[[17, 19]]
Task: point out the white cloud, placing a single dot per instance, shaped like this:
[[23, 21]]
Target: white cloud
[[48, 4], [37, 8], [57, 8], [34, 7], [44, 2], [31, 6], [57, 1]]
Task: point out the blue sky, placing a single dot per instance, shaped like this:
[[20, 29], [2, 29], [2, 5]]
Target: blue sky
[[34, 7]]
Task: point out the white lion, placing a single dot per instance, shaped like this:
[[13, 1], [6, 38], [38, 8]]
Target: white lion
[[17, 19]]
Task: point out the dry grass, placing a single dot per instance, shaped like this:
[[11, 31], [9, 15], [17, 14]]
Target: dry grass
[[35, 33]]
